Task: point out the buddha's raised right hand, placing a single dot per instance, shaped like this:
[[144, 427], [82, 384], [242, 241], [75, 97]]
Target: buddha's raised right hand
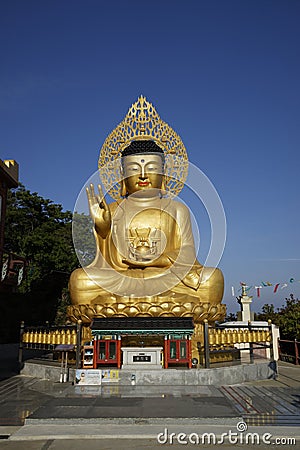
[[99, 211]]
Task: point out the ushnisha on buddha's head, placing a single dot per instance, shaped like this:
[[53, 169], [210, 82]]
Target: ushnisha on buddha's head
[[142, 167]]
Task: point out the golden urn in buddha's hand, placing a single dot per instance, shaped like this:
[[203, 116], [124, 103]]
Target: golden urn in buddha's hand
[[146, 261]]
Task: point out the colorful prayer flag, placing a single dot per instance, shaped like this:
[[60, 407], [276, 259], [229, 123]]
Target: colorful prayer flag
[[264, 284], [258, 288]]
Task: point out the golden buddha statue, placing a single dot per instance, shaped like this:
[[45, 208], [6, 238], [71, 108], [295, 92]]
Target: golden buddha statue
[[145, 263]]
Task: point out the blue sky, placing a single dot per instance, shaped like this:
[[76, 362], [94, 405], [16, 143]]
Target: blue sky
[[224, 74]]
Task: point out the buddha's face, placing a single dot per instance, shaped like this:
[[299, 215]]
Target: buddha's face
[[142, 171]]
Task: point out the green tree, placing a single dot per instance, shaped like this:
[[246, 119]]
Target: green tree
[[287, 318], [290, 318], [268, 313], [84, 238], [41, 231], [231, 317], [61, 311]]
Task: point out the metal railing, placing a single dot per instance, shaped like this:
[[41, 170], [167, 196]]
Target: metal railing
[[223, 338], [50, 337]]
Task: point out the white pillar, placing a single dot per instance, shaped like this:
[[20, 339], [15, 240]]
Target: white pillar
[[245, 302]]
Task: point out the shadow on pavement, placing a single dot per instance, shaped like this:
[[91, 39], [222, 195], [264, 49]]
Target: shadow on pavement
[[9, 365]]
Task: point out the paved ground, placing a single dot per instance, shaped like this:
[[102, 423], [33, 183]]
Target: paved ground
[[62, 416]]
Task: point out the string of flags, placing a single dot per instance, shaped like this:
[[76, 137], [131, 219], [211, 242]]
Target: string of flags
[[264, 284]]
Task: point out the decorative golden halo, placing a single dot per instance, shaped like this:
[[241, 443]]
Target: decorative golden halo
[[142, 122]]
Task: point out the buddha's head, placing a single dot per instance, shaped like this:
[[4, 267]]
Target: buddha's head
[[142, 167]]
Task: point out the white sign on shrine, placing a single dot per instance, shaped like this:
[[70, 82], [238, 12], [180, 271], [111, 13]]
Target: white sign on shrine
[[142, 357]]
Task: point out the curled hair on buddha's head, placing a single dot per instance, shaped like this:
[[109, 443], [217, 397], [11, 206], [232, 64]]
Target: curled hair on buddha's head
[[140, 147], [143, 146]]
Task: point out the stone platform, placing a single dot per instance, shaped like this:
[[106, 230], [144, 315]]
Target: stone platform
[[237, 374]]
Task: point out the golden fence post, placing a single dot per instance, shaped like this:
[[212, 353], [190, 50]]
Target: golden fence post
[[48, 340], [73, 337], [39, 339], [31, 339], [44, 339], [62, 337], [68, 337], [35, 339]]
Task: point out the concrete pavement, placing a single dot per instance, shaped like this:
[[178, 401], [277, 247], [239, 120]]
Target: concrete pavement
[[46, 415]]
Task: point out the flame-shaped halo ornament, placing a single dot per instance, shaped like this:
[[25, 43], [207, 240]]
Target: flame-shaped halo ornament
[[142, 122]]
